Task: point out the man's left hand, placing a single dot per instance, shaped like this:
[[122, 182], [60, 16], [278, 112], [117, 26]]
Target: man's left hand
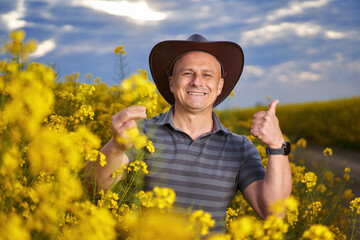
[[265, 127]]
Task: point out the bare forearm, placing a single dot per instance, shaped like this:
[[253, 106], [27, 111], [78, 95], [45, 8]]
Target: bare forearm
[[277, 183], [100, 177]]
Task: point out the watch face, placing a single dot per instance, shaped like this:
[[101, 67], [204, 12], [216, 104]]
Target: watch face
[[287, 148]]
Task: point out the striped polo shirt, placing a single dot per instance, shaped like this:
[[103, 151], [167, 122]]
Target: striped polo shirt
[[205, 173]]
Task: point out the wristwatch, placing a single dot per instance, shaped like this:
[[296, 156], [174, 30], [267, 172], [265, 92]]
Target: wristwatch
[[284, 150]]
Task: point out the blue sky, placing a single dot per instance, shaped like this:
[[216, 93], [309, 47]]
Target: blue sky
[[296, 51]]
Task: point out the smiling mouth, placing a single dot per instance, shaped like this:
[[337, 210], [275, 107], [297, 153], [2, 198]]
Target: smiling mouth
[[196, 93]]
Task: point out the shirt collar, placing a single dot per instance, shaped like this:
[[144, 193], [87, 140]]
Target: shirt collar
[[167, 118]]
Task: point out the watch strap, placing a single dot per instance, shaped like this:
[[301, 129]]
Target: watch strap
[[284, 150]]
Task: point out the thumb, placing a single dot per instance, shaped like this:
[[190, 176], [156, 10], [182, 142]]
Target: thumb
[[272, 106]]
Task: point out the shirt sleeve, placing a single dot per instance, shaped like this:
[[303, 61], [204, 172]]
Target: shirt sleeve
[[252, 168]]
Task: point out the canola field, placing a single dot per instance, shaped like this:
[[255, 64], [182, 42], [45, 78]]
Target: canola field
[[332, 123], [50, 129]]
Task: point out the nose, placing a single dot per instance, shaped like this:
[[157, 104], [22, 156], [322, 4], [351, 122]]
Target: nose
[[196, 80]]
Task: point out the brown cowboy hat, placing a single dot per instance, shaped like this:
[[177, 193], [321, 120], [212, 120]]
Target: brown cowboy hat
[[164, 54]]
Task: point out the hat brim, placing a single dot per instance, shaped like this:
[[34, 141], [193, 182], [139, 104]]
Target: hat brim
[[163, 54]]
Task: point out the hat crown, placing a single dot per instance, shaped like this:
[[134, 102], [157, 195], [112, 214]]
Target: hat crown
[[197, 38]]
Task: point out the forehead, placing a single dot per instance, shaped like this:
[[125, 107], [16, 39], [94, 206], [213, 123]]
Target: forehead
[[198, 57]]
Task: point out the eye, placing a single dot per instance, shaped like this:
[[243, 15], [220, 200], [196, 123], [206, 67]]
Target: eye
[[187, 73]]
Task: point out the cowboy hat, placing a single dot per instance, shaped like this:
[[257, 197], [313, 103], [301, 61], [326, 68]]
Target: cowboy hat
[[164, 54]]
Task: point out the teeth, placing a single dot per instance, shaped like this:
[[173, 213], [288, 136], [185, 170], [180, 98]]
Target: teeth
[[195, 93]]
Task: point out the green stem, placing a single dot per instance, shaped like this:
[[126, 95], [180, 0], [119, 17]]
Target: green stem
[[131, 181], [333, 206], [353, 228], [94, 190], [127, 188]]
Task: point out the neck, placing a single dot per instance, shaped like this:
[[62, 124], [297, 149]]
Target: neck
[[193, 123]]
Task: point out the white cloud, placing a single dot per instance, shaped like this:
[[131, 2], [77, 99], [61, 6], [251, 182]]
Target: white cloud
[[135, 10], [251, 70], [44, 48], [84, 47], [296, 73], [295, 8], [308, 77], [290, 72], [13, 20], [280, 32], [334, 35], [288, 30]]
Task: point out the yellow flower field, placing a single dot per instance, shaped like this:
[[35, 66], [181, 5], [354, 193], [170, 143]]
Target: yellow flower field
[[50, 129]]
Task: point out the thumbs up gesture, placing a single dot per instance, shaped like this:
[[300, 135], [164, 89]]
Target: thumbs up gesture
[[266, 128]]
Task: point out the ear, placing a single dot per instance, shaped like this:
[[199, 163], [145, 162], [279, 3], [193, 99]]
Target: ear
[[171, 83], [220, 86]]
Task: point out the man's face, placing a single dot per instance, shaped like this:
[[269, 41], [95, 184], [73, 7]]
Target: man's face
[[196, 81]]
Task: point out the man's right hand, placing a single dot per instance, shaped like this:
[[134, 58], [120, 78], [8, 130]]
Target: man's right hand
[[125, 120]]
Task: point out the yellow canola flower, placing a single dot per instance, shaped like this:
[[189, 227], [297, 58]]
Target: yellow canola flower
[[245, 227], [50, 150], [313, 210], [290, 205], [17, 35], [230, 215], [152, 225], [10, 162], [329, 176], [119, 49], [119, 171], [301, 143], [109, 200], [201, 220], [310, 179], [160, 197], [3, 66], [138, 165], [94, 155], [12, 227], [318, 232], [219, 236], [355, 205], [275, 227], [150, 147], [31, 101], [85, 141], [97, 80], [93, 223], [232, 94], [134, 137], [347, 175], [347, 195], [17, 48], [88, 76], [145, 198], [327, 152], [138, 90]]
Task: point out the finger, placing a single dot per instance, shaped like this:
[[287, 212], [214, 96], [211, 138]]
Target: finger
[[272, 106], [260, 114], [256, 132], [121, 128], [130, 113], [125, 141]]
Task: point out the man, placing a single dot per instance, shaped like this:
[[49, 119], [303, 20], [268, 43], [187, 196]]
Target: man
[[196, 155]]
